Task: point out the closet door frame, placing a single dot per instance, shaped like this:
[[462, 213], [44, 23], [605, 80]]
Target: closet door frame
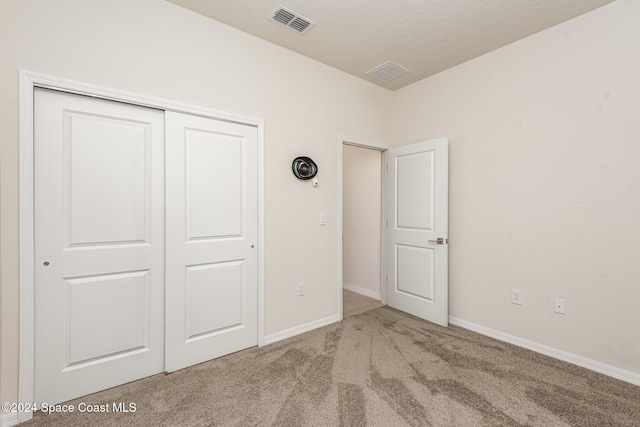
[[28, 81]]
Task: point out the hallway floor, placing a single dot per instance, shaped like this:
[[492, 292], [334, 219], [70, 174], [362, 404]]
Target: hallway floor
[[353, 303]]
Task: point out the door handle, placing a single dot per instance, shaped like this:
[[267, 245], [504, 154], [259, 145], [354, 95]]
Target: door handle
[[439, 241]]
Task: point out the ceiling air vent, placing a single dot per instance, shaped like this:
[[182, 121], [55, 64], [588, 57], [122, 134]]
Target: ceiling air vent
[[387, 71], [292, 20]]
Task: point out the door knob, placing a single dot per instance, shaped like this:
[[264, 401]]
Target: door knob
[[438, 241]]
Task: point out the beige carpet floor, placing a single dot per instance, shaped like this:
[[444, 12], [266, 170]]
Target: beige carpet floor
[[379, 368]]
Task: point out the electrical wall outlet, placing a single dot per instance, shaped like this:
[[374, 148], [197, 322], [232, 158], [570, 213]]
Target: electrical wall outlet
[[300, 289], [323, 218], [516, 297], [559, 306]]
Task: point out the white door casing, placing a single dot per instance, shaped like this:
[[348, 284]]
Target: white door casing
[[417, 218], [212, 239], [99, 250]]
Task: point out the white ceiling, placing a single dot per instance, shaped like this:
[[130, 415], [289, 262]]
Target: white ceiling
[[425, 36]]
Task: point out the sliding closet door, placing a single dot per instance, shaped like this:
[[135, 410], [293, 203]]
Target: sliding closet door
[[99, 249], [212, 239]]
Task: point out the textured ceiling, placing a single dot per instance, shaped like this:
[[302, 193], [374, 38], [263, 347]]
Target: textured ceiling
[[425, 36]]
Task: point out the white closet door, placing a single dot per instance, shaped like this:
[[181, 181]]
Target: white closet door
[[99, 250], [212, 233]]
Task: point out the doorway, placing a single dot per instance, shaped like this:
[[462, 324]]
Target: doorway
[[362, 231], [414, 226]]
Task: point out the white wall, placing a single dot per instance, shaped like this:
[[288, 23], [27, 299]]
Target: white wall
[[361, 218], [544, 182], [154, 48]]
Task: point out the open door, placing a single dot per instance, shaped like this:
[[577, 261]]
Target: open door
[[417, 229]]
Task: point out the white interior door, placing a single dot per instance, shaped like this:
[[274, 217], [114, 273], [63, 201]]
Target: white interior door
[[99, 250], [417, 240], [212, 239]]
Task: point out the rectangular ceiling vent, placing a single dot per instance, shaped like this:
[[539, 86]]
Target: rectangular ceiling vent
[[387, 71], [292, 20]]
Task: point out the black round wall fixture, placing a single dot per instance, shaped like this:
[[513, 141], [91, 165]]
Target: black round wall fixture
[[304, 168]]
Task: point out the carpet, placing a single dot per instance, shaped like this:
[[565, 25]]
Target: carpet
[[379, 368]]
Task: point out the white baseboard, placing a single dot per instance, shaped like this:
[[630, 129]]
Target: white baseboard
[[9, 419], [292, 332], [361, 291], [603, 368]]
